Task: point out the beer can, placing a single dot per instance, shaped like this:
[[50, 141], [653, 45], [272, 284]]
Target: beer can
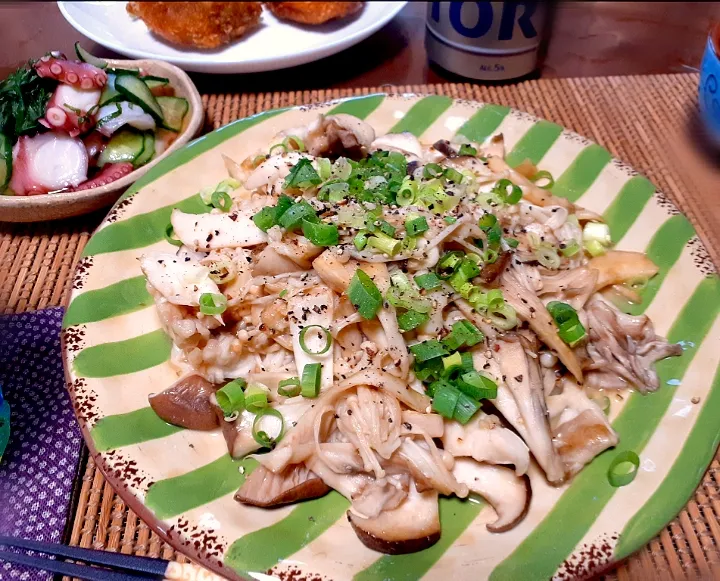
[[492, 41]]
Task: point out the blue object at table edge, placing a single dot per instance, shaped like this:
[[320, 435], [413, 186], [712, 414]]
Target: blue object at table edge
[[709, 93]]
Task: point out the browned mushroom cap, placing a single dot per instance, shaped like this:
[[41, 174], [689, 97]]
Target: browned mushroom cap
[[186, 403], [266, 489], [411, 527]]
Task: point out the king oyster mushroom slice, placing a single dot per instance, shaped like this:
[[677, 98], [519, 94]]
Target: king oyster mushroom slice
[[405, 143], [522, 380], [339, 135], [187, 404], [413, 526], [267, 489], [486, 440], [206, 232], [508, 493]]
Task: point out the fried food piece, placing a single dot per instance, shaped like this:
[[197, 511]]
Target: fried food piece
[[198, 24], [313, 12]]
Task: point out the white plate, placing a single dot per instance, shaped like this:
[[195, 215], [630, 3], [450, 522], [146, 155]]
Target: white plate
[[273, 45]]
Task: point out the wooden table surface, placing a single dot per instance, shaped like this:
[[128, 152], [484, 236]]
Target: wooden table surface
[[586, 39]]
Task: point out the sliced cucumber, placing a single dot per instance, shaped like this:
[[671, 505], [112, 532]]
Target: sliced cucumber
[[174, 110], [153, 82], [148, 149], [110, 94], [5, 161], [86, 57], [126, 145], [114, 71], [138, 92]]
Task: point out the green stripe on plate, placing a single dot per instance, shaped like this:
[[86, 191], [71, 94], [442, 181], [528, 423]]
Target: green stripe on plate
[[679, 485], [198, 147], [581, 174], [123, 357], [123, 297], [626, 207], [664, 250], [259, 551], [141, 230], [173, 496], [116, 431], [455, 516], [535, 143], [422, 115], [544, 550], [360, 107], [484, 123]]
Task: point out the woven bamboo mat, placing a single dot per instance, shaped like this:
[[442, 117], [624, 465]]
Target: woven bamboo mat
[[640, 120]]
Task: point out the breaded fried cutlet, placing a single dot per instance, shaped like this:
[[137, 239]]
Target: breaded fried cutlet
[[198, 24], [312, 12]]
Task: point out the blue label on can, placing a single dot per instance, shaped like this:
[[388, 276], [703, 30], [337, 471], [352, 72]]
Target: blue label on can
[[492, 26]]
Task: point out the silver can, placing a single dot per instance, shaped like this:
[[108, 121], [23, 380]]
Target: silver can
[[492, 41]]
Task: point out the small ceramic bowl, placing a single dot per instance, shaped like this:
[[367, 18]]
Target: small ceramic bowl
[[66, 204], [710, 86]]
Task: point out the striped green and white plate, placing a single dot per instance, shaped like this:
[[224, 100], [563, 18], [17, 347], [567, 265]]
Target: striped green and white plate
[[182, 482]]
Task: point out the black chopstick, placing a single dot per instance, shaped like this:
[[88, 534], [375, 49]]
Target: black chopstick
[[141, 567], [145, 565], [70, 569]]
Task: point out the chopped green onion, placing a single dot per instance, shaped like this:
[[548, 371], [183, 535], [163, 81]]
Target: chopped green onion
[[594, 248], [453, 175], [342, 168], [212, 303], [448, 264], [428, 350], [411, 319], [512, 196], [463, 333], [569, 249], [623, 469], [320, 234], [260, 436], [466, 149], [512, 242], [222, 271], [543, 175], [293, 142], [333, 191], [384, 244], [503, 317], [570, 329], [405, 196], [279, 146], [221, 201], [293, 217], [548, 257], [428, 281], [265, 218], [432, 170], [596, 238], [477, 385], [231, 397], [325, 333], [302, 175], [310, 383], [450, 219], [169, 236], [324, 167], [257, 160], [364, 295], [409, 243], [416, 226], [490, 256], [256, 397], [386, 228], [283, 292], [445, 399], [452, 361], [465, 408], [487, 221], [361, 239], [293, 383]]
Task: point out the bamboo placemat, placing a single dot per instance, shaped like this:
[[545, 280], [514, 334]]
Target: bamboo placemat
[[640, 120]]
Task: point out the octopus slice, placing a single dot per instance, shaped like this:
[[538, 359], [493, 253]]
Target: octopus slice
[[79, 75]]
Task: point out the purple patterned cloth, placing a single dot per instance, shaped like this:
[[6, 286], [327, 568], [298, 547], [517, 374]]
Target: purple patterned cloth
[[39, 464]]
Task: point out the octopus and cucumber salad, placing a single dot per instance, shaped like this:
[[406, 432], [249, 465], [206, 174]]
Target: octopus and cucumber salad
[[72, 125], [396, 321]]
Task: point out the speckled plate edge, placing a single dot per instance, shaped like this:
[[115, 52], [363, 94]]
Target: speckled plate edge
[[533, 550]]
